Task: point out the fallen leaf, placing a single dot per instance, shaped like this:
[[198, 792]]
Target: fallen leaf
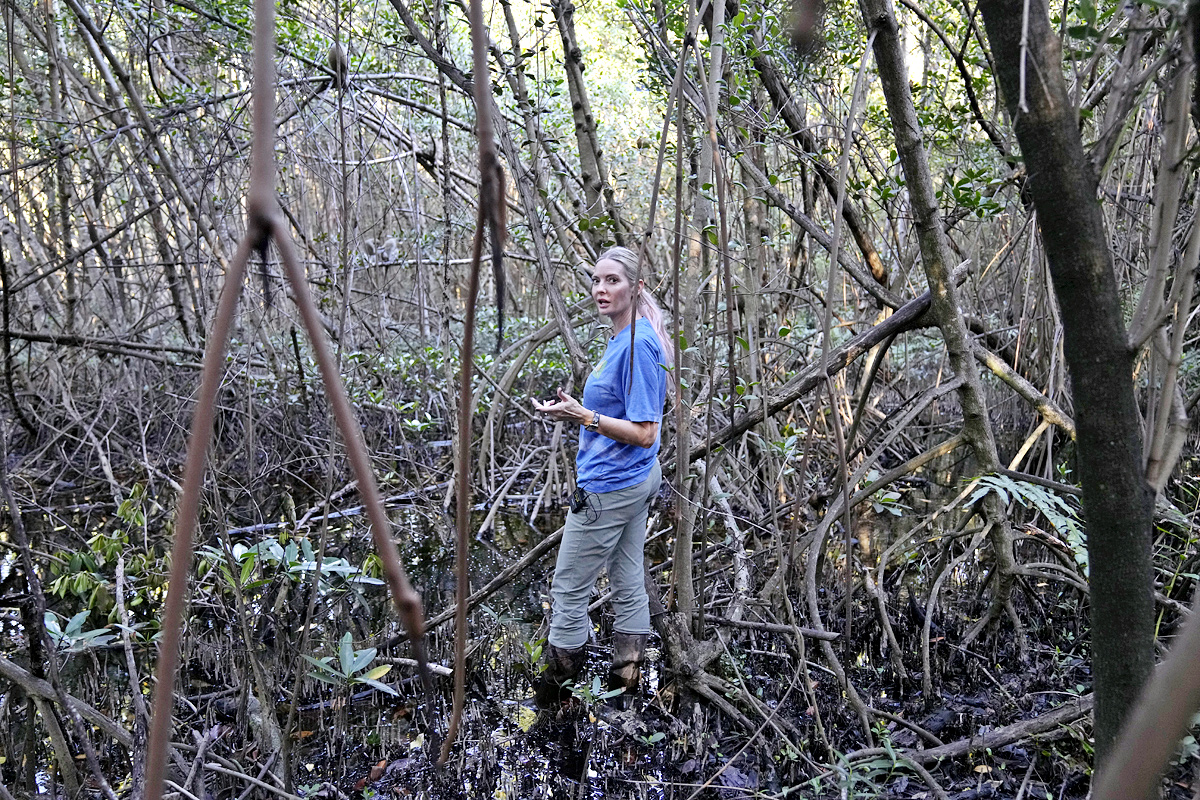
[[525, 718], [735, 778]]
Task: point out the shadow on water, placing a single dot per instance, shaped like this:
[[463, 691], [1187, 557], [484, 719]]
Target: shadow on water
[[508, 751]]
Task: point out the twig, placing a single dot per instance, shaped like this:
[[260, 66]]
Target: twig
[[909, 316], [912, 726], [436, 669], [886, 621], [814, 616], [177, 788], [491, 214], [827, 342], [999, 737], [141, 716], [770, 627], [926, 677], [263, 224], [497, 501], [754, 735], [262, 771], [251, 779]]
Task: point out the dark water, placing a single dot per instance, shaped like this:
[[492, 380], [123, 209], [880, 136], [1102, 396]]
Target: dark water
[[616, 747]]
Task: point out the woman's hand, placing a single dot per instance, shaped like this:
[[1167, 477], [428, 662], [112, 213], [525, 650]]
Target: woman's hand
[[568, 409], [564, 409]]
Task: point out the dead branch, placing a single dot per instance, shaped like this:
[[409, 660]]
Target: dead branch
[[37, 687], [908, 317]]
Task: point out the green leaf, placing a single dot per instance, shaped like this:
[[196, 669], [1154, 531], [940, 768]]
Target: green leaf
[[329, 679], [319, 663], [377, 673], [383, 687], [75, 624], [247, 569], [745, 344], [361, 659], [346, 654], [1087, 10]]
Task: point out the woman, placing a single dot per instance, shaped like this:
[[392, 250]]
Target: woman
[[617, 474]]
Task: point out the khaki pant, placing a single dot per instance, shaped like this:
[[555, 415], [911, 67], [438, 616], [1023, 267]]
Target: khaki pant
[[610, 532]]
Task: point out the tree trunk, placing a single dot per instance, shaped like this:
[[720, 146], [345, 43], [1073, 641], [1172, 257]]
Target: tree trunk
[[935, 257], [598, 190], [1117, 504]]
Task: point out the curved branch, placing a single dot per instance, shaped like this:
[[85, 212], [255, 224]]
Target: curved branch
[[907, 317], [781, 97], [1026, 390]]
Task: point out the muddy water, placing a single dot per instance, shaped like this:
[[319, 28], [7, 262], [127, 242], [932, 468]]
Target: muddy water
[[612, 747]]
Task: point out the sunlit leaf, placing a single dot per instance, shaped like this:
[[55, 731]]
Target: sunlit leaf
[[377, 673]]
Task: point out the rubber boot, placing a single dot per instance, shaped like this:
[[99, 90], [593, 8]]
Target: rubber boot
[[562, 665], [628, 651]]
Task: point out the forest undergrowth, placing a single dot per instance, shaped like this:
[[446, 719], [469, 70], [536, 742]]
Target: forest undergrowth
[[287, 604]]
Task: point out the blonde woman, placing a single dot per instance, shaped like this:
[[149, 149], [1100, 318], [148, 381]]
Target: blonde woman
[[618, 476]]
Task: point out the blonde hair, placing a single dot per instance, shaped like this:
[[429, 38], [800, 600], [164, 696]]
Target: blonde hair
[[647, 306]]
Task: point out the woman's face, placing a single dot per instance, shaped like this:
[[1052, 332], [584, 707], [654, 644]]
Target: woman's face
[[611, 290]]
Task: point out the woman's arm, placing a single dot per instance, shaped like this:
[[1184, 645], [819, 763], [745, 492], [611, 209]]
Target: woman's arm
[[568, 409], [641, 434]]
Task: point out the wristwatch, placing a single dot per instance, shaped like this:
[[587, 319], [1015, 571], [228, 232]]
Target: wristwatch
[[594, 425]]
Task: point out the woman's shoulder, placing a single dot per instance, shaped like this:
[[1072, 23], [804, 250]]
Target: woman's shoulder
[[647, 341]]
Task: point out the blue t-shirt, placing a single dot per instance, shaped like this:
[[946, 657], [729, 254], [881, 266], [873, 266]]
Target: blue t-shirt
[[606, 465]]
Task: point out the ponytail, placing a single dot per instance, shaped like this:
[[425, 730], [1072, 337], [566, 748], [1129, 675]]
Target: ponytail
[[648, 308]]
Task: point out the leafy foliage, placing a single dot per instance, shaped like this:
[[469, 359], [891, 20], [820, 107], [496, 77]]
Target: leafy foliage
[[295, 560], [1051, 505], [351, 668], [73, 638]]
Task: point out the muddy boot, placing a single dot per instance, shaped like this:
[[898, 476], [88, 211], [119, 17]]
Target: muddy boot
[[626, 671], [561, 666]]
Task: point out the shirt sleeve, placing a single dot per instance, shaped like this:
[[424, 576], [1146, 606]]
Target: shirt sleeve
[[645, 401]]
